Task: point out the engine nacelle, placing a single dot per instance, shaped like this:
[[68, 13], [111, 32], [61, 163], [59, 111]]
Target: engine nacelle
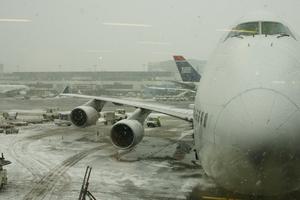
[[127, 133], [83, 116]]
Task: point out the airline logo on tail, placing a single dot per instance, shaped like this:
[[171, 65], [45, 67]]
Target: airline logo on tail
[[186, 70]]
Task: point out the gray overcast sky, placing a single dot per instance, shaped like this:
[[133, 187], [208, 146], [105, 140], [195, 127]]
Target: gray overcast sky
[[75, 33]]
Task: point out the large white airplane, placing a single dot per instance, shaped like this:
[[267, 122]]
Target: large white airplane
[[247, 110]]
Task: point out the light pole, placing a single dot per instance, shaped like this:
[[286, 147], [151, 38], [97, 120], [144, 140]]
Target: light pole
[[100, 59]]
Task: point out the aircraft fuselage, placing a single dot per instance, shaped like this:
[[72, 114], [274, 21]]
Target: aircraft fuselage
[[250, 92]]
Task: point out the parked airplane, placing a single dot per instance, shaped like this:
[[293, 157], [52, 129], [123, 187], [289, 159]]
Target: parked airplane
[[190, 77], [184, 95], [186, 70], [168, 93], [13, 90], [246, 114]]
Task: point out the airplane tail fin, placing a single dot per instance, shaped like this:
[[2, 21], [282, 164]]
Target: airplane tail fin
[[66, 90], [186, 70]]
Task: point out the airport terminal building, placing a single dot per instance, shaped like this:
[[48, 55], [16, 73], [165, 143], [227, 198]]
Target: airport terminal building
[[133, 83], [86, 81]]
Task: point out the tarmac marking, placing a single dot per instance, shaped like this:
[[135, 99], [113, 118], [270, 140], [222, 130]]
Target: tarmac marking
[[48, 182], [218, 198], [161, 166]]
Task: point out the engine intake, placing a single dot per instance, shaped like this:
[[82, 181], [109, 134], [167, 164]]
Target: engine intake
[[127, 133], [83, 116]]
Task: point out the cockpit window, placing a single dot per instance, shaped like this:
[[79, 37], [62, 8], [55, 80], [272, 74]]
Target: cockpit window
[[275, 28], [260, 28], [245, 29]]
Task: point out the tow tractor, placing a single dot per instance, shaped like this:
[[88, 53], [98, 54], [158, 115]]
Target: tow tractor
[[153, 121], [3, 172], [120, 114], [114, 116]]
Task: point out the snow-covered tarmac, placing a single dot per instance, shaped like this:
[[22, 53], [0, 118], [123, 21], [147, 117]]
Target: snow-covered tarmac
[[48, 162]]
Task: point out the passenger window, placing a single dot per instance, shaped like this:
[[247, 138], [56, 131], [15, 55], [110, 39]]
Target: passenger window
[[201, 117], [197, 116]]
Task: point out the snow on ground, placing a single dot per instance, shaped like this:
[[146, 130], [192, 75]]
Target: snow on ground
[[48, 162]]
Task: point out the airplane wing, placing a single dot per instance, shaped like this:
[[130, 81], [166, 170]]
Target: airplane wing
[[184, 114], [172, 89]]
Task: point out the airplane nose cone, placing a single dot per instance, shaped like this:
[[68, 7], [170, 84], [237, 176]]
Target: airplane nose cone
[[259, 131]]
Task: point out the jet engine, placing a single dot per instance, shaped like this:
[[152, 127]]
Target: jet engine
[[127, 133], [83, 116]]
